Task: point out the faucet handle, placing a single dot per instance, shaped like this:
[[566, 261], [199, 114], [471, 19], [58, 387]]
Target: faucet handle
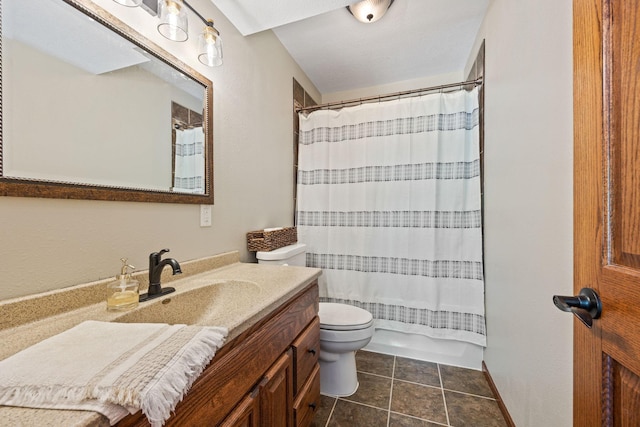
[[155, 257]]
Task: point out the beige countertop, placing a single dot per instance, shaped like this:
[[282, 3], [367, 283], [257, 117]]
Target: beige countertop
[[248, 292]]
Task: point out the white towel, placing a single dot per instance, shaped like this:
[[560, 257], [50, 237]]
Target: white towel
[[111, 368]]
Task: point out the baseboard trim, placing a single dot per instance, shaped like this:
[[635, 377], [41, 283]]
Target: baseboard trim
[[494, 389]]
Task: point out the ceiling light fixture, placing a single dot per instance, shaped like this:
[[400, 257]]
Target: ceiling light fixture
[[368, 11], [174, 25]]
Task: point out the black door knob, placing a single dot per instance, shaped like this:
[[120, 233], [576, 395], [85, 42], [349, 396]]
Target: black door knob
[[586, 306]]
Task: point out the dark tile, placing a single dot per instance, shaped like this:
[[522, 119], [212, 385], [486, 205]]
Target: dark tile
[[322, 415], [418, 401], [417, 371], [398, 420], [179, 112], [374, 363], [195, 118], [348, 414], [466, 410], [373, 390], [298, 92], [308, 100], [296, 122], [465, 380]]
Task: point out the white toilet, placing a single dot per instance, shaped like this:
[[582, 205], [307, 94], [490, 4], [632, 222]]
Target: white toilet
[[344, 329]]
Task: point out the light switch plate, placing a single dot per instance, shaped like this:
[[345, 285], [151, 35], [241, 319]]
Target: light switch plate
[[205, 215]]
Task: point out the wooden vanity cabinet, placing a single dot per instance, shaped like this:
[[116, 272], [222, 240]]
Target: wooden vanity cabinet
[[308, 399], [247, 413], [306, 349], [270, 403], [296, 373], [266, 377], [276, 394]]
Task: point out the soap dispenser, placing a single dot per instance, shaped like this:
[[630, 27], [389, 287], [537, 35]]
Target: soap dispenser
[[122, 293]]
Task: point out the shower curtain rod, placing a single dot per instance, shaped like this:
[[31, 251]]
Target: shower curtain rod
[[329, 105]]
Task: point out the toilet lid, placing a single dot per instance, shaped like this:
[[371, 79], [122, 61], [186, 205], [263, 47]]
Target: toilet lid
[[341, 317]]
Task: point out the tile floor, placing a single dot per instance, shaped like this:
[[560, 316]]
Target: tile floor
[[399, 392]]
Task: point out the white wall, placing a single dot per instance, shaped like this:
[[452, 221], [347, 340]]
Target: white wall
[[49, 244], [69, 116], [528, 206], [395, 87]]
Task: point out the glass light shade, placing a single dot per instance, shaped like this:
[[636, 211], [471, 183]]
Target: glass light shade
[[129, 3], [173, 20], [368, 11], [210, 47]]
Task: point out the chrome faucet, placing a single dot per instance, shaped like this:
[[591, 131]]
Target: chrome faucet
[[156, 264]]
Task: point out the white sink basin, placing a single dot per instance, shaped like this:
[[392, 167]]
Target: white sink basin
[[198, 306]]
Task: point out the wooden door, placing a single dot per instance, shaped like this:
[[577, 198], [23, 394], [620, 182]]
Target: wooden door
[[276, 394], [247, 413], [607, 209]]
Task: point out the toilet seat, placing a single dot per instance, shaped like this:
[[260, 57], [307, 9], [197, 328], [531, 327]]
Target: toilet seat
[[343, 317]]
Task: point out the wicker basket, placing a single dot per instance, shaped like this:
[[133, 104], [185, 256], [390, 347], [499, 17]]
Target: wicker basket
[[266, 241]]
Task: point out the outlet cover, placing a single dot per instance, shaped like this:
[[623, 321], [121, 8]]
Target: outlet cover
[[205, 215]]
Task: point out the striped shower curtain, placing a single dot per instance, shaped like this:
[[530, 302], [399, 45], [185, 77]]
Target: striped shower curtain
[[189, 161], [389, 207]]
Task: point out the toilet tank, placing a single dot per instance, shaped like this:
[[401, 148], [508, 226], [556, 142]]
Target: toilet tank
[[287, 255]]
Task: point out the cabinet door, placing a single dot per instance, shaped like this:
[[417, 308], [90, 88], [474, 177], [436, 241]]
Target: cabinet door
[[246, 414], [276, 394]]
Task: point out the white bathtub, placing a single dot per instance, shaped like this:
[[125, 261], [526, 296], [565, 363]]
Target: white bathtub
[[413, 346]]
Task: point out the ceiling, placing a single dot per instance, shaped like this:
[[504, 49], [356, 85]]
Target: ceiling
[[90, 47], [77, 40], [415, 39]]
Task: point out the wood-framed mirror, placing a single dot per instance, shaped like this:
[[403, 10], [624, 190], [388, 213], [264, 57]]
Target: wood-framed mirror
[[86, 110]]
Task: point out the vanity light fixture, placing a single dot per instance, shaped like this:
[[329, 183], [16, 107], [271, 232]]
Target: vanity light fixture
[[173, 20], [368, 11], [174, 25], [210, 46]]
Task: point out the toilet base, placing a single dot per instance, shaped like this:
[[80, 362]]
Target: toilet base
[[339, 377]]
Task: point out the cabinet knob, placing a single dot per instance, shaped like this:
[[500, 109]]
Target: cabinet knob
[[312, 351], [312, 405]]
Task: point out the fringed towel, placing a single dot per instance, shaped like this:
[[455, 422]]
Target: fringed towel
[[111, 368]]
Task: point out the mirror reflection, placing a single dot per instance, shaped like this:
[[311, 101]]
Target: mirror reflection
[[83, 105]]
